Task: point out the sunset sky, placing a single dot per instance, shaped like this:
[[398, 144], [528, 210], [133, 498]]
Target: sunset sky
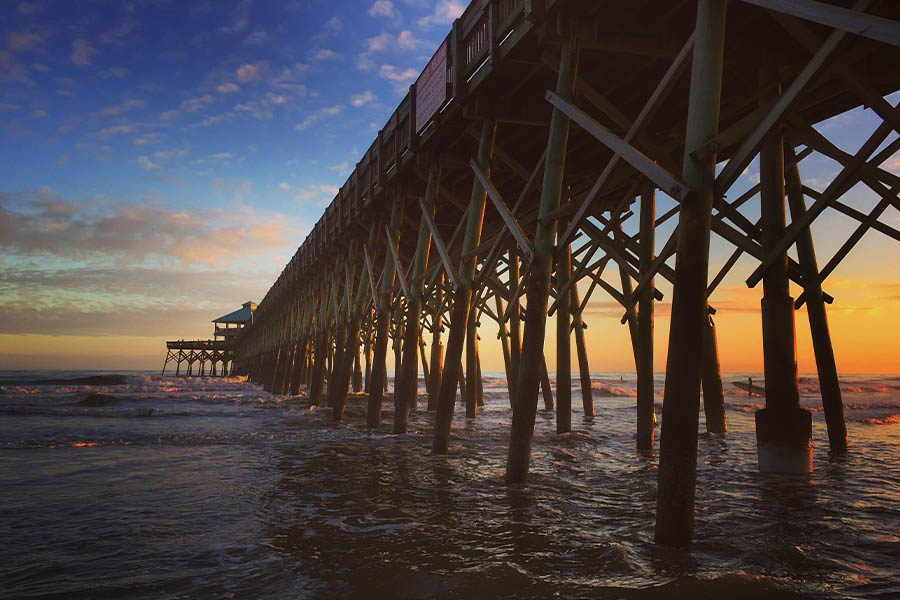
[[162, 160]]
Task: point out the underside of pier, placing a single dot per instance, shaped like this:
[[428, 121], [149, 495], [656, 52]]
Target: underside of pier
[[528, 160]]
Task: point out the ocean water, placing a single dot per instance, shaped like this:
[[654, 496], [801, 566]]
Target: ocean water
[[212, 488]]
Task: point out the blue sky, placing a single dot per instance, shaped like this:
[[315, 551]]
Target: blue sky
[[163, 159]]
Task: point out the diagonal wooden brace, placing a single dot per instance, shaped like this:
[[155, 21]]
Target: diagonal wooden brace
[[511, 223], [396, 258], [438, 243], [845, 19], [748, 149], [637, 159]]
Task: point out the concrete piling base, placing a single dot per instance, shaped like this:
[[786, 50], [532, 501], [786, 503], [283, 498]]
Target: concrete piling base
[[784, 440]]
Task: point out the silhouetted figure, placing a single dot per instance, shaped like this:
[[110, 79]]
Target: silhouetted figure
[[749, 386]]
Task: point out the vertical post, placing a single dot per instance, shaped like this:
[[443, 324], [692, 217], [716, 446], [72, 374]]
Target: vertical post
[[426, 372], [471, 364], [681, 400], [318, 370], [584, 370], [713, 395], [357, 369], [437, 347], [546, 390], [337, 396], [399, 328], [646, 411], [382, 324], [407, 383], [563, 340], [538, 284], [783, 429], [367, 346], [299, 363], [479, 379], [829, 386], [515, 325], [462, 296], [504, 343]]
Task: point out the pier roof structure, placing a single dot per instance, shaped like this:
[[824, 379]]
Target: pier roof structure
[[243, 315]]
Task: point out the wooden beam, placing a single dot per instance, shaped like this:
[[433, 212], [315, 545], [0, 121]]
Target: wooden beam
[[833, 191], [438, 243], [400, 274], [371, 276], [637, 159], [844, 19], [748, 149], [658, 93], [501, 207]]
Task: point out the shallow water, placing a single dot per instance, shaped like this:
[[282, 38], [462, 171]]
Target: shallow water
[[214, 488]]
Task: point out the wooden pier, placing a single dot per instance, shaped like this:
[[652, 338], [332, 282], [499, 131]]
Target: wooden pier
[[215, 357], [200, 358], [504, 177]]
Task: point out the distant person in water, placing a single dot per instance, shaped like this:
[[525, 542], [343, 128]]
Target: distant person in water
[[749, 386]]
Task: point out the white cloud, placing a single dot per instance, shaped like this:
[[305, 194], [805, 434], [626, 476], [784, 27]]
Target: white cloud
[[395, 75], [444, 13], [322, 54], [146, 163], [382, 8], [195, 104], [257, 38], [82, 53], [146, 139], [167, 154], [315, 117], [343, 168], [122, 107], [364, 62], [285, 186], [323, 193], [362, 99], [23, 41], [405, 40], [114, 130], [249, 71], [379, 42], [228, 88]]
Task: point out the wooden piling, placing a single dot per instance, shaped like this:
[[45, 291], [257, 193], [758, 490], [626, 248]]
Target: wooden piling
[[681, 400], [471, 395], [407, 383], [783, 429], [538, 284], [646, 398], [829, 386], [563, 340], [437, 347], [462, 296], [382, 325], [711, 380]]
